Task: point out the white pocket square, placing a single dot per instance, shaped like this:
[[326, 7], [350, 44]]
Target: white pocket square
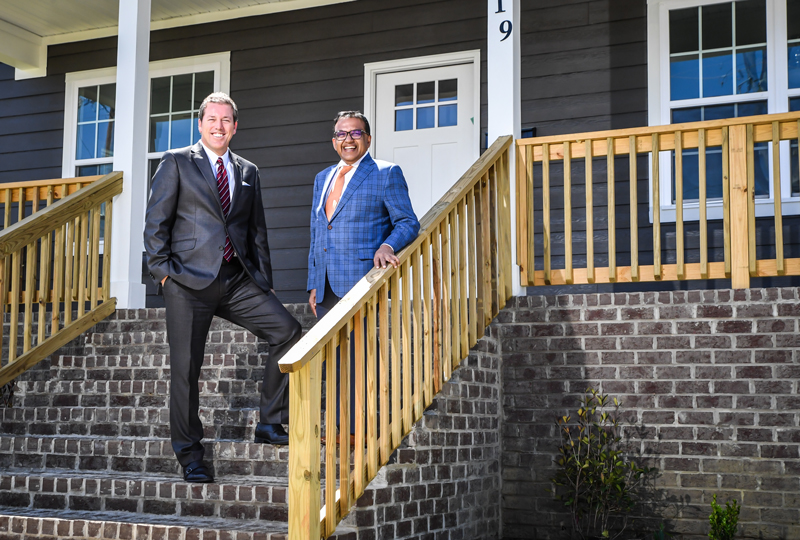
[[245, 184]]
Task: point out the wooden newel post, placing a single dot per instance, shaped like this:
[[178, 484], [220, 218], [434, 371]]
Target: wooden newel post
[[740, 254], [304, 458]]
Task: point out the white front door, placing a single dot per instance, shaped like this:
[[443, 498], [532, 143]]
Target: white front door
[[425, 122]]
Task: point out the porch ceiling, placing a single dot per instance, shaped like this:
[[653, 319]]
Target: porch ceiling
[[28, 27]]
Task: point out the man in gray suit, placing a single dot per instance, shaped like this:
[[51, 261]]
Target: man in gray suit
[[206, 242]]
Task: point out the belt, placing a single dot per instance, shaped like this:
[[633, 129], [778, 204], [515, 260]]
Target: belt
[[233, 262]]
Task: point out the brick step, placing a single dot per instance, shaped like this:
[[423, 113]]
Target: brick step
[[138, 455], [23, 523], [230, 497], [219, 423]]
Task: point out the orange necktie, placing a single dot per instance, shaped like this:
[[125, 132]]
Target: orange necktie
[[336, 192]]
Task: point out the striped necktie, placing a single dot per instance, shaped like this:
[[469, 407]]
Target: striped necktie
[[225, 201]]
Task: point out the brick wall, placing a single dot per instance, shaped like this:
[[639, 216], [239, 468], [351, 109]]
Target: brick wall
[[709, 378]]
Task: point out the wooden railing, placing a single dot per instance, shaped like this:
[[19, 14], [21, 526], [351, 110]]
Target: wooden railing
[[51, 264], [734, 139], [413, 325]]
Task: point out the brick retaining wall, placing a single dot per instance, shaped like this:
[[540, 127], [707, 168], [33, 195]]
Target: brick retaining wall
[[710, 379]]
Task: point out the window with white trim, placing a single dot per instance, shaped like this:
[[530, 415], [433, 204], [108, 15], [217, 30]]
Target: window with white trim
[[712, 59]]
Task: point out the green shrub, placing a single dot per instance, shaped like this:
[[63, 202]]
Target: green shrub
[[723, 520]]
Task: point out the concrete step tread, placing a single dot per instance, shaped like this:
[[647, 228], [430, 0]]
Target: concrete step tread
[[105, 477]]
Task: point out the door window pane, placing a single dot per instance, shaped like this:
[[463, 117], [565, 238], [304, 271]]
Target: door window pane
[[404, 120], [426, 92], [403, 95], [448, 115], [425, 117], [448, 90]]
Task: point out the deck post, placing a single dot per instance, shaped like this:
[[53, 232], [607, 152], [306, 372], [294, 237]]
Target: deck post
[[740, 255]]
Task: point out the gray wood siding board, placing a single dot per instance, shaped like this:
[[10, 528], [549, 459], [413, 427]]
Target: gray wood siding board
[[581, 38], [24, 142], [38, 173], [586, 82]]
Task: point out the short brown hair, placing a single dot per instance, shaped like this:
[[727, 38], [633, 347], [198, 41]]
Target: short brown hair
[[222, 98]]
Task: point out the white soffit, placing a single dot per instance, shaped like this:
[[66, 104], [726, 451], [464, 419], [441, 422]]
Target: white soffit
[[28, 27]]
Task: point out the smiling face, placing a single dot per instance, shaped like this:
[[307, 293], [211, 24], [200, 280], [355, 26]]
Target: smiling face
[[351, 150], [217, 127]]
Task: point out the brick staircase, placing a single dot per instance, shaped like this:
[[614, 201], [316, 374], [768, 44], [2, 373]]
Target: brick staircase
[[85, 452]]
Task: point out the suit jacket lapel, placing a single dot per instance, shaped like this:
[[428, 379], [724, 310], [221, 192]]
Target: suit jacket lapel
[[237, 180], [201, 160], [319, 199], [364, 170]]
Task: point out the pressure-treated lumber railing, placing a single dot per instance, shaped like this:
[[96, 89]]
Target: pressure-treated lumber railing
[[734, 137], [413, 325], [50, 264]]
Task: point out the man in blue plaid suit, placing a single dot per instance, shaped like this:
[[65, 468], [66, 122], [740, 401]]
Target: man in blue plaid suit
[[361, 215]]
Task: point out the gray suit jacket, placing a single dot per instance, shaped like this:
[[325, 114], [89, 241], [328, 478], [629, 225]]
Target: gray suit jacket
[[185, 230]]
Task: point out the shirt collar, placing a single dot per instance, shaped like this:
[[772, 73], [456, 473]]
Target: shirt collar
[[355, 165], [213, 157]]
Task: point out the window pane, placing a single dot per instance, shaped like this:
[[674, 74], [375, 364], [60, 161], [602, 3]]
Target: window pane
[[719, 112], [105, 139], [717, 26], [425, 92], [691, 114], [404, 120], [794, 104], [181, 130], [403, 95], [684, 77], [108, 98], [448, 115], [425, 117], [203, 85], [761, 159], [84, 149], [87, 104], [159, 134], [448, 90], [691, 176], [683, 30], [751, 109], [195, 130], [751, 71], [794, 65], [714, 172], [717, 74], [793, 19], [182, 94], [159, 95], [93, 170], [751, 22]]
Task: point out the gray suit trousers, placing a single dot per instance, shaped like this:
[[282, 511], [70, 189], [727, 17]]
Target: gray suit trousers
[[235, 297]]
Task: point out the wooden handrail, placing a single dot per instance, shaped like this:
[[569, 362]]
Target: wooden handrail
[[407, 328], [59, 247], [734, 138]]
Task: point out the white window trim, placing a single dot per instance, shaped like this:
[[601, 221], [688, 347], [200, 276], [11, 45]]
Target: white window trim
[[373, 69], [219, 63], [658, 84]]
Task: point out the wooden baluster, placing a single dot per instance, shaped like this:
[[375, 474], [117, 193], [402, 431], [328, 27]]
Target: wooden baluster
[[436, 314], [463, 278], [417, 333], [612, 211], [107, 251], [344, 417], [13, 328], [446, 325], [486, 250], [504, 215], [531, 270], [474, 264], [330, 433], [427, 321], [494, 236], [69, 271], [45, 261], [305, 389], [546, 210], [359, 405], [751, 201], [83, 260], [776, 195], [405, 330], [633, 180], [656, 207], [701, 178], [372, 389], [522, 213], [726, 200], [30, 280], [737, 140], [383, 389], [6, 275], [568, 276], [588, 149], [395, 362], [94, 267], [681, 270], [455, 301]]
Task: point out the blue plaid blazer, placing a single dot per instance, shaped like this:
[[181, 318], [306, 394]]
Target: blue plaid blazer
[[374, 209]]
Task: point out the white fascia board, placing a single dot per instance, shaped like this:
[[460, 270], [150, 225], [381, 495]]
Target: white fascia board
[[22, 49]]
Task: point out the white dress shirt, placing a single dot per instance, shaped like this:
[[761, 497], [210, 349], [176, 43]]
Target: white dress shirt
[[226, 162], [326, 190]]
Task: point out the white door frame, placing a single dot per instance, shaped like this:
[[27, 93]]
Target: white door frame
[[373, 69]]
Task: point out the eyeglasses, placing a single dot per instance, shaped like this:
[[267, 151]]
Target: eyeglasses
[[355, 134]]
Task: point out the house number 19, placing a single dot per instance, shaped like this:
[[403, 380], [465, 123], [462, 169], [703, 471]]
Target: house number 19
[[506, 26]]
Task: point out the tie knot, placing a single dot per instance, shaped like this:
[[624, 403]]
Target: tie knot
[[346, 169], [219, 162]]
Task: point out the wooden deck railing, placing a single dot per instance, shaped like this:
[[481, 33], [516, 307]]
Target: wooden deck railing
[[413, 325], [733, 138], [50, 263]]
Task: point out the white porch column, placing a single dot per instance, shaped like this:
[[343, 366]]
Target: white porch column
[[130, 153], [504, 93]]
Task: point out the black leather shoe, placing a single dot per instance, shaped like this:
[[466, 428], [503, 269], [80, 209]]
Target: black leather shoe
[[271, 434], [197, 473]]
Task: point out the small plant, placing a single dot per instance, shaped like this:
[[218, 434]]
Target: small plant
[[595, 480], [723, 520], [661, 533]]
